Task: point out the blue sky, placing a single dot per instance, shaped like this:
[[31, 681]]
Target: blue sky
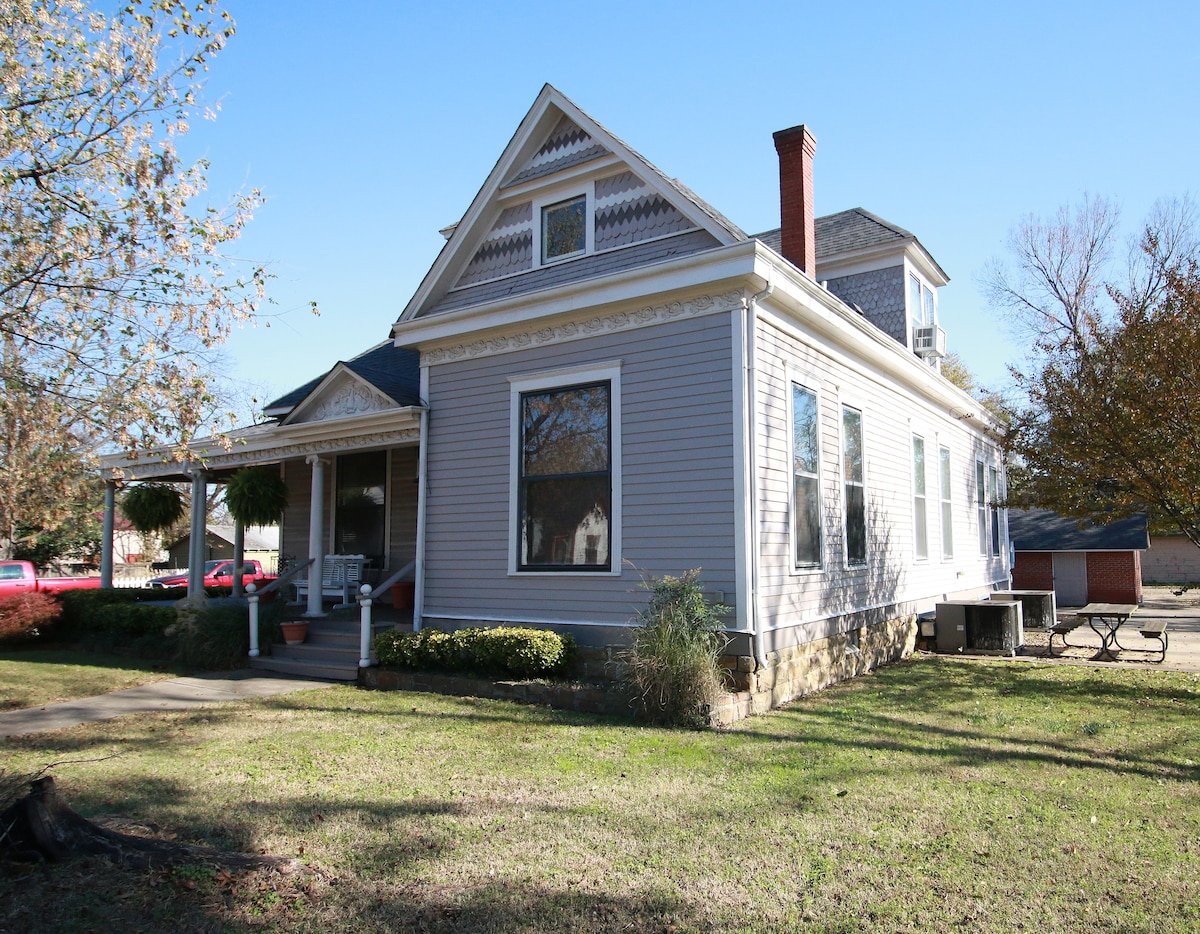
[[371, 125]]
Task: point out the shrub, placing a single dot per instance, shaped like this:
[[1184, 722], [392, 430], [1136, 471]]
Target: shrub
[[511, 651], [218, 637], [673, 663], [26, 616], [82, 608]]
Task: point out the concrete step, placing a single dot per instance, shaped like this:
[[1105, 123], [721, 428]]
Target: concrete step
[[309, 669], [310, 651]]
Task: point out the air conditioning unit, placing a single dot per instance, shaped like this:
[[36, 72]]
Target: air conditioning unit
[[929, 341], [1039, 609], [980, 627]]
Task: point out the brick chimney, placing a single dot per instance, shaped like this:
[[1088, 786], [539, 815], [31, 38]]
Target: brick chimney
[[796, 147]]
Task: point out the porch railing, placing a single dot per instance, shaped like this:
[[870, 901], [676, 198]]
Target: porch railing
[[253, 595], [364, 604]]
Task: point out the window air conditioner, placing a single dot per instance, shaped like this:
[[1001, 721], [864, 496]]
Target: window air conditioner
[[929, 341]]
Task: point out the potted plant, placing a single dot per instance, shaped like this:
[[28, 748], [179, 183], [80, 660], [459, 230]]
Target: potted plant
[[294, 632]]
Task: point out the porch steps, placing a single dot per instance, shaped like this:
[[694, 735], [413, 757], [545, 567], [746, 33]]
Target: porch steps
[[330, 652]]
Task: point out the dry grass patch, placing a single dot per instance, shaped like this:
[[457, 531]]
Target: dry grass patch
[[931, 796]]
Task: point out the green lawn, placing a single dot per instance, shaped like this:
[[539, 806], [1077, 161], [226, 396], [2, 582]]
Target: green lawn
[[935, 795], [36, 677]]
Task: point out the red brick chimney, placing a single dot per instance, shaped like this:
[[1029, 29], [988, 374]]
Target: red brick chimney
[[796, 147]]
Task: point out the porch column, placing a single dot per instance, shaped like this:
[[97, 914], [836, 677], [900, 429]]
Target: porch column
[[106, 537], [316, 534], [196, 550], [239, 555]]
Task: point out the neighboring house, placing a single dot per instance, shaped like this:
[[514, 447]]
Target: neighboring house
[[1081, 563], [601, 376], [261, 544], [1171, 559]]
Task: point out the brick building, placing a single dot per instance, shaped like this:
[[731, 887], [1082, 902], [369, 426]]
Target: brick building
[[1081, 563]]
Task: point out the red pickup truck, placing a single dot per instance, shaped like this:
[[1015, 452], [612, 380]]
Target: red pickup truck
[[21, 577], [217, 574]]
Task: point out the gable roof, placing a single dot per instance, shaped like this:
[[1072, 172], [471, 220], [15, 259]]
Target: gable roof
[[1043, 530], [392, 370], [554, 135]]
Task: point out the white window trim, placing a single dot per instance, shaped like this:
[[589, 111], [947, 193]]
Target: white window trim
[[843, 404], [805, 380], [913, 436], [609, 372], [588, 193]]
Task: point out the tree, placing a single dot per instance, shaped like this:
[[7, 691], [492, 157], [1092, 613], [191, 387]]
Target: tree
[[1112, 420], [114, 287]]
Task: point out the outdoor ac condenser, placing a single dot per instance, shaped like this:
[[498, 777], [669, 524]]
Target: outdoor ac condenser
[[1039, 609], [980, 627]]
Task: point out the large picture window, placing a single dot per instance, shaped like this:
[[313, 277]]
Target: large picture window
[[852, 479], [360, 515], [565, 479], [806, 483]]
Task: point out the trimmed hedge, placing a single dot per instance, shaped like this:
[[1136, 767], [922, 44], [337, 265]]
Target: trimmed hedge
[[518, 652]]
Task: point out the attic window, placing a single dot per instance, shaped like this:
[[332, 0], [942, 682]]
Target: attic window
[[564, 229]]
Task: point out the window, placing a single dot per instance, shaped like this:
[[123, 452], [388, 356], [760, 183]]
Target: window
[[852, 479], [920, 520], [947, 511], [981, 507], [564, 229], [921, 303], [565, 478], [993, 500], [360, 514], [806, 484]]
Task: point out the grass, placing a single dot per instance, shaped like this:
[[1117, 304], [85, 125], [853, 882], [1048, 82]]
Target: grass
[[934, 795], [36, 677]]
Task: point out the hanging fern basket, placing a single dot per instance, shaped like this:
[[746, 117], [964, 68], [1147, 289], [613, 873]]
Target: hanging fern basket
[[152, 507], [256, 496]]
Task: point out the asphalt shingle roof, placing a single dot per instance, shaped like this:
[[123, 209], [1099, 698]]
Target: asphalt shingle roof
[[854, 229], [1043, 530], [390, 369]]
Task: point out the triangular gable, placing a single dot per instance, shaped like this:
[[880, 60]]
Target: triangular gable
[[631, 201], [341, 394]]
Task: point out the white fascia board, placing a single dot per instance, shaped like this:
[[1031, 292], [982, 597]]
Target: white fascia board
[[716, 269], [799, 296]]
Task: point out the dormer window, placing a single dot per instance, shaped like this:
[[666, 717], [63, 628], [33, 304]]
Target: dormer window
[[920, 303], [564, 229]]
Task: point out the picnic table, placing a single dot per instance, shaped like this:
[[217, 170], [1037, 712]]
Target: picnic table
[[1105, 619]]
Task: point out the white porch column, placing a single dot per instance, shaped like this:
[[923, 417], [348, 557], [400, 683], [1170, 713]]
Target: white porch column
[[316, 534], [106, 537], [196, 551]]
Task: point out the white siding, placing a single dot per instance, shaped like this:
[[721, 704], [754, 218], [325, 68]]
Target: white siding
[[812, 600]]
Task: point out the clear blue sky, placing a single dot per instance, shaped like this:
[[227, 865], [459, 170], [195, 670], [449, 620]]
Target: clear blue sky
[[370, 125]]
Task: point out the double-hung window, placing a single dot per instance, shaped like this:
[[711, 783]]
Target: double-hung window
[[920, 518], [994, 500], [806, 482], [565, 476], [981, 509], [947, 506], [852, 480]]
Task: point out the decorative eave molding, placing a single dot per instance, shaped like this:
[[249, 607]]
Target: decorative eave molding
[[520, 338], [274, 444], [342, 394]]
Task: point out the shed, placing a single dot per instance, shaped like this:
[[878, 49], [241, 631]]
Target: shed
[[261, 543], [1082, 562]]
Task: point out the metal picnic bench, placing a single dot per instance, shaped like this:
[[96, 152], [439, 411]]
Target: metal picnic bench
[[1105, 619]]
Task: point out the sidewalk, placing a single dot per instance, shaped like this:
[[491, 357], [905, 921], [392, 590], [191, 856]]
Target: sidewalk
[[177, 694]]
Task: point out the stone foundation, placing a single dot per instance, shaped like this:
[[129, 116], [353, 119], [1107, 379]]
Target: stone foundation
[[803, 669]]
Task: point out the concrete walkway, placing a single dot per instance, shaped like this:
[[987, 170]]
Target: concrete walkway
[[176, 694]]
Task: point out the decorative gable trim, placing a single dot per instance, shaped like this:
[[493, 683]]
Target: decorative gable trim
[[517, 338], [567, 145], [343, 393]]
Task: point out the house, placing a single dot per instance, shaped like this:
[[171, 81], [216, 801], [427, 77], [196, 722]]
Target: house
[[602, 375], [1081, 562], [261, 543]]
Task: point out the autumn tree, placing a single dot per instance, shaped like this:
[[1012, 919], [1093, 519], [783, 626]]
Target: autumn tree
[[115, 288], [1111, 424]]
